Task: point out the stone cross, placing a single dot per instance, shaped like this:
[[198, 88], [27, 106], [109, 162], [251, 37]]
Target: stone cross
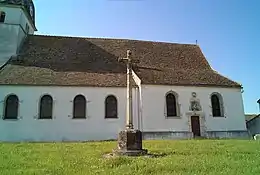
[[129, 108], [129, 140]]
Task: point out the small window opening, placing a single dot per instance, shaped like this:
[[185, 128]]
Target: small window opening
[[2, 17]]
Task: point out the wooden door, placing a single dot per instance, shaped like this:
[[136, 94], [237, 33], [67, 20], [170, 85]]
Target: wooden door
[[195, 126]]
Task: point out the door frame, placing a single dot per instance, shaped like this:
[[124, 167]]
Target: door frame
[[202, 120], [197, 118]]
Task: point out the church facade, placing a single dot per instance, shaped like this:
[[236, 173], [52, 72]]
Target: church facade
[[55, 88]]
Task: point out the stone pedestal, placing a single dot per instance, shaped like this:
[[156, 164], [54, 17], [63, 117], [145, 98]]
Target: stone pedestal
[[130, 143]]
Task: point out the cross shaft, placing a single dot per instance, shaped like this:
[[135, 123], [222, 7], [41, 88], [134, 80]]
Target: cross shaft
[[129, 107]]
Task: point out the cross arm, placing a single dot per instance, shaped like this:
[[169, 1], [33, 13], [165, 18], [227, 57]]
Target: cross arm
[[122, 59], [127, 59], [135, 61]]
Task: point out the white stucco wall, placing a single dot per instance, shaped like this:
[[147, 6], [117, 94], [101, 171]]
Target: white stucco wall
[[96, 127], [62, 127], [154, 108], [12, 31]]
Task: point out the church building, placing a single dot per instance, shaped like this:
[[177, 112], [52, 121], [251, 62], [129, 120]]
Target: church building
[[57, 88]]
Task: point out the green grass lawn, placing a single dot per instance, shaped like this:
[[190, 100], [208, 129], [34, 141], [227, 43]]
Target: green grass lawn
[[230, 157]]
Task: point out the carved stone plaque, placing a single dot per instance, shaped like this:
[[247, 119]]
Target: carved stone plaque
[[194, 102]]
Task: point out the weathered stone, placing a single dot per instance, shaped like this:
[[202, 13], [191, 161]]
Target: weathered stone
[[130, 140], [130, 143]]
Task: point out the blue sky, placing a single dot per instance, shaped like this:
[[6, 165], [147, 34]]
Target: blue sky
[[228, 31]]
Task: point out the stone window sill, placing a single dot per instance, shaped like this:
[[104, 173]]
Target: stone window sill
[[110, 118], [45, 118], [79, 118], [10, 119], [173, 117]]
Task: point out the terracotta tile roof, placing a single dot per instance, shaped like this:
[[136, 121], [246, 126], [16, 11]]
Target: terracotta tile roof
[[53, 60]]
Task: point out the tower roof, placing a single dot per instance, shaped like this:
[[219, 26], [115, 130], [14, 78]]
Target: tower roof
[[26, 4]]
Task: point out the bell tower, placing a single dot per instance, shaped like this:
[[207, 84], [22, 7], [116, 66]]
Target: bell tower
[[17, 21]]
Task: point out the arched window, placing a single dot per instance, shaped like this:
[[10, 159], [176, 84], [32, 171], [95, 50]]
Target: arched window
[[216, 103], [11, 107], [171, 105], [79, 107], [46, 107], [111, 107], [2, 17]]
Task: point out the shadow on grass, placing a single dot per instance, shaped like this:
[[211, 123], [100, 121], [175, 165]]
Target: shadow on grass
[[157, 155], [149, 155]]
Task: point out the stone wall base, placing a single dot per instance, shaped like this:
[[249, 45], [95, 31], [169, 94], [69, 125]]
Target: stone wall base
[[227, 134], [171, 135], [164, 135], [156, 135]]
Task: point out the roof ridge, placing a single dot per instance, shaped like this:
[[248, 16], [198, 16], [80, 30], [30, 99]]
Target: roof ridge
[[252, 114], [122, 39], [252, 119]]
